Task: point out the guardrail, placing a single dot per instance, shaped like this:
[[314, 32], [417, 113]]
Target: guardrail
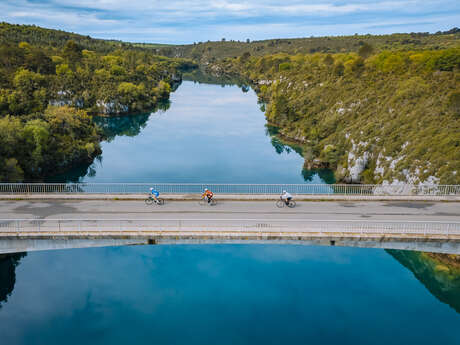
[[195, 188], [222, 226]]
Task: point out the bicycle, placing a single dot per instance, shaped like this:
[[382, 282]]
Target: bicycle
[[151, 201], [204, 202], [281, 203]]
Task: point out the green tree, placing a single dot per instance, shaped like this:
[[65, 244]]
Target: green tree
[[72, 52], [365, 50], [328, 60]]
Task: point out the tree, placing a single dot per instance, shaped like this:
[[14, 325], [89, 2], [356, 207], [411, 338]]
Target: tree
[[328, 60], [72, 52], [365, 50], [11, 171], [245, 57], [339, 69], [453, 103]]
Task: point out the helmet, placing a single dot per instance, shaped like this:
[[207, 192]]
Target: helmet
[[151, 188], [284, 191], [206, 189]]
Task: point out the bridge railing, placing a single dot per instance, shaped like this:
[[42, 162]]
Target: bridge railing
[[221, 226], [195, 188]]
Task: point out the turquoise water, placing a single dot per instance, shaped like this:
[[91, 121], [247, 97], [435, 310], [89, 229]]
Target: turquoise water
[[208, 134], [223, 294]]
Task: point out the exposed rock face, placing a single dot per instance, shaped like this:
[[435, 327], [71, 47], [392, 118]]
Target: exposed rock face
[[111, 107], [357, 163], [65, 98]]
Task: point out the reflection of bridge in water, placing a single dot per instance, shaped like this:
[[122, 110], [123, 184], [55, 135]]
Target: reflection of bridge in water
[[42, 234]]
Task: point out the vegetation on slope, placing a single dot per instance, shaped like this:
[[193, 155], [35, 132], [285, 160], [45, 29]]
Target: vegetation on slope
[[205, 52], [48, 88], [371, 117]]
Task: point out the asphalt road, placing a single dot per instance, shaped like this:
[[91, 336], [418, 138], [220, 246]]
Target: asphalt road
[[351, 210]]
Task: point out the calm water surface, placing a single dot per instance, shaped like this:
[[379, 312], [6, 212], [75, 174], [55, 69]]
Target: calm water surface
[[223, 294], [209, 134], [218, 294]]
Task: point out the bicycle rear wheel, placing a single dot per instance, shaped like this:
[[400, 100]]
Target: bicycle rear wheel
[[292, 204], [148, 201]]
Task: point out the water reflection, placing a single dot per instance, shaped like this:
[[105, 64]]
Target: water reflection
[[121, 125], [201, 77], [439, 273], [8, 264], [280, 294], [284, 146]]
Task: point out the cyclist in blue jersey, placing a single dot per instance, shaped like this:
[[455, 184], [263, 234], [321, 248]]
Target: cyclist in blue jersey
[[154, 194]]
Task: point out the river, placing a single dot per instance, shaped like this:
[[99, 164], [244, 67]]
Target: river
[[224, 294], [208, 133]]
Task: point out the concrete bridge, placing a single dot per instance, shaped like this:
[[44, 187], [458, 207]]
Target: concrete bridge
[[27, 225]]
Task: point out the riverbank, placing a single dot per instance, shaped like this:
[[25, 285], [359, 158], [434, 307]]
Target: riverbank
[[387, 117]]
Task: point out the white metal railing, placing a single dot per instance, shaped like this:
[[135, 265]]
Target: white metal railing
[[222, 226], [191, 188]]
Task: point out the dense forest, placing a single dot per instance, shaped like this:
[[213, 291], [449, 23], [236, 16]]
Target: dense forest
[[50, 87], [371, 116]]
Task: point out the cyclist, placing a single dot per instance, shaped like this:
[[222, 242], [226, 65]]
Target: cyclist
[[286, 197], [154, 194], [208, 195]]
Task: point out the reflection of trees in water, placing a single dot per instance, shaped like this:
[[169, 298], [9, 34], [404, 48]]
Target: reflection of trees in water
[[75, 175], [8, 263], [126, 125], [440, 277], [199, 76], [281, 146], [111, 126], [325, 174]]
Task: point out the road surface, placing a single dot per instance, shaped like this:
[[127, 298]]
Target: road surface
[[351, 210]]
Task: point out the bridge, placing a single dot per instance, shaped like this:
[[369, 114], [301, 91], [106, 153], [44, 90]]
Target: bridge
[[81, 215]]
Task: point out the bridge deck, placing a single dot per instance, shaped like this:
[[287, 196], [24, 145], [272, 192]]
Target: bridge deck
[[403, 225], [346, 210]]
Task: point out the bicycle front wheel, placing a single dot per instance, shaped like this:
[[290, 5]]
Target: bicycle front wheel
[[292, 204]]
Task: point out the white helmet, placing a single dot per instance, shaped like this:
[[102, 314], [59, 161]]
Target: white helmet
[[151, 188], [284, 191], [206, 189]]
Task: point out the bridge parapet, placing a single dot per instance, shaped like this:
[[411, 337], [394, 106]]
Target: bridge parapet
[[244, 189], [18, 235], [126, 226]]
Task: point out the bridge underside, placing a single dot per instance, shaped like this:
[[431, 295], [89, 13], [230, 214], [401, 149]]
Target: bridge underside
[[13, 244]]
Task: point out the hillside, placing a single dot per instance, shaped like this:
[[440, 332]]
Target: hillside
[[373, 117], [213, 51], [50, 85]]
